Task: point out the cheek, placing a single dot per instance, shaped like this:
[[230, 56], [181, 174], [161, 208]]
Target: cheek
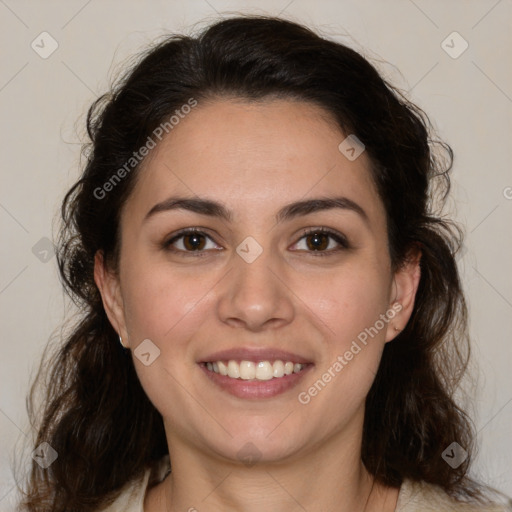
[[163, 305], [349, 305], [347, 301], [169, 309]]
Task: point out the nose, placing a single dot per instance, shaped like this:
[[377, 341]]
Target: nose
[[254, 296]]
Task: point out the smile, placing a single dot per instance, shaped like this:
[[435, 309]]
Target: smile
[[255, 379], [249, 370]]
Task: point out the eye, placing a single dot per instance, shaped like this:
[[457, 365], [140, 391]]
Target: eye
[[190, 240], [322, 241]]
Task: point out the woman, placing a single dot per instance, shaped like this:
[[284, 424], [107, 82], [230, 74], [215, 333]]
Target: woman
[[271, 303]]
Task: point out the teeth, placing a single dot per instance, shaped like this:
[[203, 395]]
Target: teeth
[[264, 371], [233, 370], [278, 368], [248, 370], [223, 369]]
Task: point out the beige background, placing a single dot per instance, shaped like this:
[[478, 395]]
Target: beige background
[[42, 107]]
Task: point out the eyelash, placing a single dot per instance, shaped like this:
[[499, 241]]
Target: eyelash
[[337, 237]]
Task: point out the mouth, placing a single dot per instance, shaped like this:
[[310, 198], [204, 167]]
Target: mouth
[[264, 378], [250, 370]]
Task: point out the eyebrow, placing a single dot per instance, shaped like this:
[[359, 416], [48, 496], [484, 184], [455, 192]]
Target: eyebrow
[[288, 212]]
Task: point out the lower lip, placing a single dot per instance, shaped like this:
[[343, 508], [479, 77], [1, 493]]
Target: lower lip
[[256, 388]]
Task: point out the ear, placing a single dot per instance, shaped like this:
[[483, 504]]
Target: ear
[[110, 290], [403, 293]]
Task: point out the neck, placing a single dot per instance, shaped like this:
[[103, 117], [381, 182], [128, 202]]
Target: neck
[[330, 477]]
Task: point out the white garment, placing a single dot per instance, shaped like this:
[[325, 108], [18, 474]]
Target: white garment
[[413, 496]]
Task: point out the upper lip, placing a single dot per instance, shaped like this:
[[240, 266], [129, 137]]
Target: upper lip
[[255, 355]]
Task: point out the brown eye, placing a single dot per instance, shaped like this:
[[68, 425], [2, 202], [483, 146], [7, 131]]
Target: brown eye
[[191, 241], [194, 242], [321, 242], [317, 241]]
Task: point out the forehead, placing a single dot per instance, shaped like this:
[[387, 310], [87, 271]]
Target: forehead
[[254, 157]]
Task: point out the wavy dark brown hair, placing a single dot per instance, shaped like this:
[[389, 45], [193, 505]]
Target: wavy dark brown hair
[[95, 413]]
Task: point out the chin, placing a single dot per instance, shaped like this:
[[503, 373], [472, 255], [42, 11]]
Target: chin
[[256, 443]]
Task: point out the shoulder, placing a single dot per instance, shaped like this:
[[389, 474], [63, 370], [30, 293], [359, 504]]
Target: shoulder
[[133, 493], [423, 497]]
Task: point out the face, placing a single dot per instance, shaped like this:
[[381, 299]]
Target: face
[[289, 261]]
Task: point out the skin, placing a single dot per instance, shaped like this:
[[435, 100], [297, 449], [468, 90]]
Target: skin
[[255, 158]]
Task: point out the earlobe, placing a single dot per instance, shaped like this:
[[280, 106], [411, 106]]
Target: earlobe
[[405, 285], [108, 285]]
